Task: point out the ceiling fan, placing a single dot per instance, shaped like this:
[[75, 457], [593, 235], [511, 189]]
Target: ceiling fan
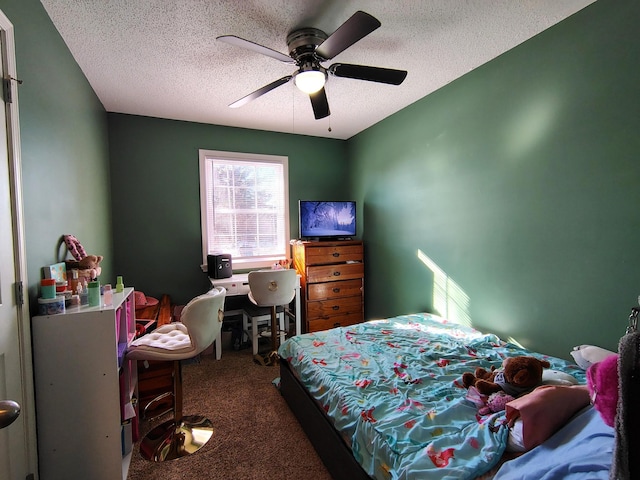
[[308, 48]]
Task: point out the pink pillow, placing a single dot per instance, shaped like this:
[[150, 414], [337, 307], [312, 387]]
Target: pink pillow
[[602, 378], [545, 410]]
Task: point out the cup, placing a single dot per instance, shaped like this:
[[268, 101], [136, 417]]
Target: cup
[[48, 288], [94, 294], [107, 295]]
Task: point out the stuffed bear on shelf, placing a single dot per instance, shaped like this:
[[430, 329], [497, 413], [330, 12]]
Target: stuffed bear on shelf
[[88, 267]]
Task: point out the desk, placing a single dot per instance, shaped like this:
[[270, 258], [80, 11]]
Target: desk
[[238, 284]]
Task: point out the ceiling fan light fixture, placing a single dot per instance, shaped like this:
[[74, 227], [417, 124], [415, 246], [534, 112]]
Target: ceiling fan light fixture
[[308, 48], [310, 80]]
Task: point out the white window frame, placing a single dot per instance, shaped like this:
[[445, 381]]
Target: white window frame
[[207, 159]]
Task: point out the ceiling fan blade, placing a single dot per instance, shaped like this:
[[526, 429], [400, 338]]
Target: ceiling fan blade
[[371, 74], [320, 104], [241, 42], [261, 91], [358, 26]]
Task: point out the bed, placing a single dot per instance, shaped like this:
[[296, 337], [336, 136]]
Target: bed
[[384, 399]]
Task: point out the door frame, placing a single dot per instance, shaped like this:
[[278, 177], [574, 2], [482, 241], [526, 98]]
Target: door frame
[[28, 413]]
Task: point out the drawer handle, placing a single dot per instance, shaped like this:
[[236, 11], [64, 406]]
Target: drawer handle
[[336, 290], [336, 254], [335, 307], [336, 274]]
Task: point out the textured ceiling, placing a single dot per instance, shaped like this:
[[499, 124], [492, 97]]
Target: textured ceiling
[[160, 58]]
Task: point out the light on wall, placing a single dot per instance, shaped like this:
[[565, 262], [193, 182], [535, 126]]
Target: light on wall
[[310, 79]]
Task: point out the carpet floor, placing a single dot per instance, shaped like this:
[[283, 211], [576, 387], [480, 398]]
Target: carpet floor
[[256, 437]]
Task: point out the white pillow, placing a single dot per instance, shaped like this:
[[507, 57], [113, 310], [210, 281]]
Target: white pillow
[[556, 377], [587, 355]]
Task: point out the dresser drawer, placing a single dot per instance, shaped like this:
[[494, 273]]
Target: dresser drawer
[[341, 288], [330, 273], [333, 322], [332, 307], [333, 254]]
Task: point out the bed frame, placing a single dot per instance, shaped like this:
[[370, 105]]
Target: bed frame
[[330, 446]]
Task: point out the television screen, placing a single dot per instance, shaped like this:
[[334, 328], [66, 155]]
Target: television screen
[[327, 219]]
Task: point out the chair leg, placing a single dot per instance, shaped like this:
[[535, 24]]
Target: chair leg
[[273, 354], [245, 327], [282, 330], [180, 436], [254, 335], [271, 358], [177, 391], [274, 328]]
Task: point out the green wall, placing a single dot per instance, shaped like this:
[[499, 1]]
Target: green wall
[[156, 196], [63, 130], [519, 182]]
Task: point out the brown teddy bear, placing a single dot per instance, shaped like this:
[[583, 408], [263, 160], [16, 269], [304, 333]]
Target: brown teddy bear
[[517, 376], [88, 267]]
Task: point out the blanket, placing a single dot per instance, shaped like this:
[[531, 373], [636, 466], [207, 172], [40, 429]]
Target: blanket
[[393, 389]]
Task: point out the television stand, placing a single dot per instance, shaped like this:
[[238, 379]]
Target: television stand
[[332, 282]]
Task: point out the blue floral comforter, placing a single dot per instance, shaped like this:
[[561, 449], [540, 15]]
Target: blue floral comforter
[[393, 389]]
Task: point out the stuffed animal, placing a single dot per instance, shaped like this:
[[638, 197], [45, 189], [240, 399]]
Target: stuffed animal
[[602, 381], [88, 267], [587, 355], [517, 376], [495, 403]]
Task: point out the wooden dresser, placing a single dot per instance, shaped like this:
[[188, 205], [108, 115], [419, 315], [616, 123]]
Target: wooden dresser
[[155, 377], [332, 282]]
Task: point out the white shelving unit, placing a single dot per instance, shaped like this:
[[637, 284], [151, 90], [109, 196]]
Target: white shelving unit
[[86, 391]]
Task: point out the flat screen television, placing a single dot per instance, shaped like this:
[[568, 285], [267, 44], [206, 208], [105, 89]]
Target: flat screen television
[[320, 220]]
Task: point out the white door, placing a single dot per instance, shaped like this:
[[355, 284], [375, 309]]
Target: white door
[[16, 446]]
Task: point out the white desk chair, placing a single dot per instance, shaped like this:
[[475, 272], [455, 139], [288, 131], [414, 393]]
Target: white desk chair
[[200, 324], [254, 318], [272, 288]]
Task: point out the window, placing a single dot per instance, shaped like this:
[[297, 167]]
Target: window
[[244, 207]]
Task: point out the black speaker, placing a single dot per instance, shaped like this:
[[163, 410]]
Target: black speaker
[[219, 265]]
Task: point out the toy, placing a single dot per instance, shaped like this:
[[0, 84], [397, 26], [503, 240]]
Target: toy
[[602, 381], [587, 355], [517, 376], [74, 246], [88, 267], [495, 403]]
